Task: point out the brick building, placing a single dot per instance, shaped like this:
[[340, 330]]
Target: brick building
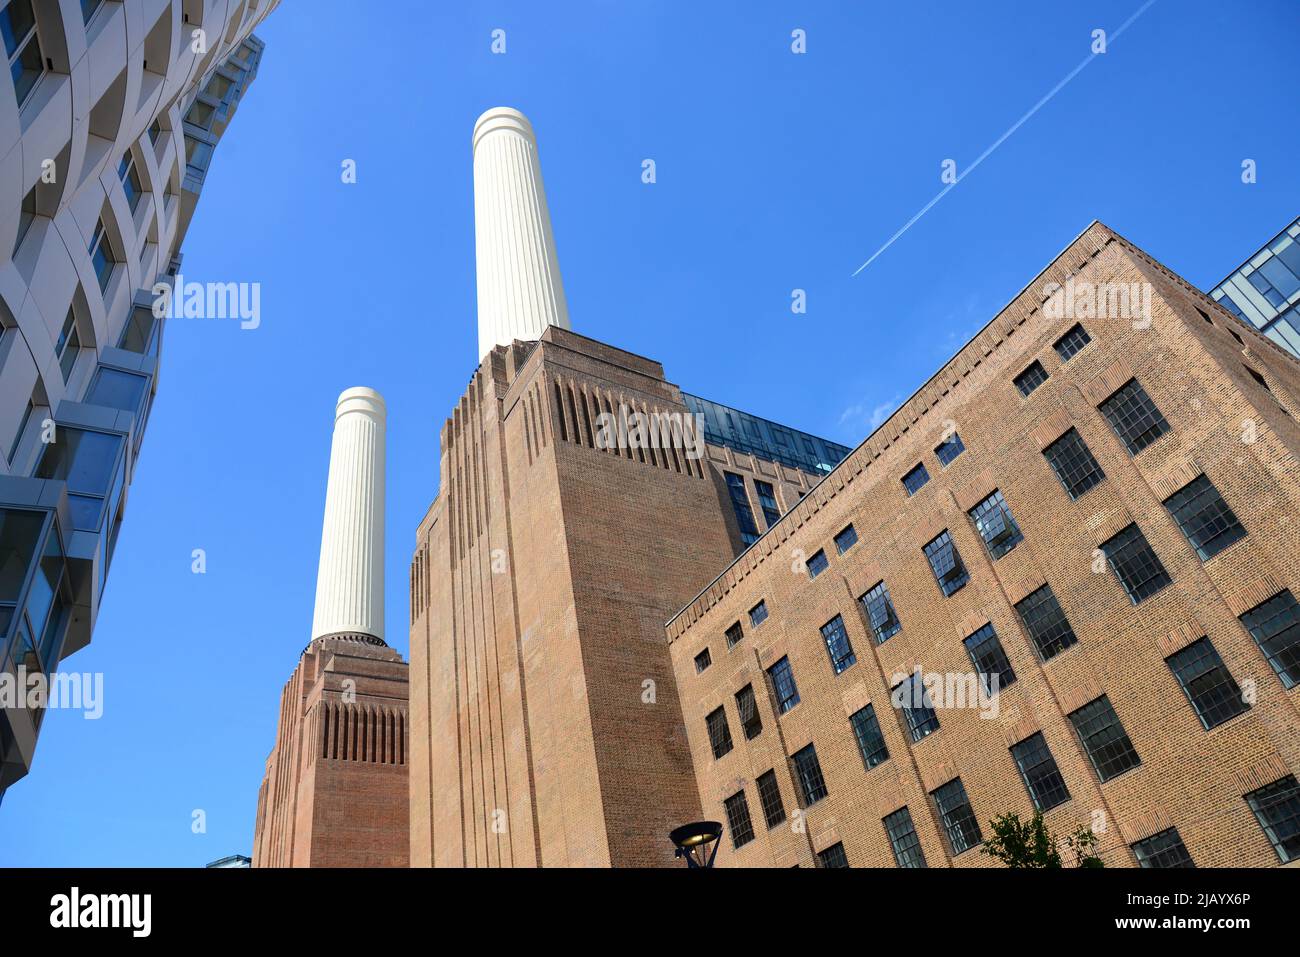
[[1082, 525], [1107, 512]]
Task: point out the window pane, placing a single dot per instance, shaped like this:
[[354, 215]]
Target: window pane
[[1073, 464], [118, 390], [902, 838], [1135, 564], [1046, 623], [20, 530], [1204, 517], [838, 645], [1165, 849], [1275, 626], [1104, 738], [1134, 417]]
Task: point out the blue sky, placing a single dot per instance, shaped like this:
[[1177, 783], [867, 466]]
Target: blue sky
[[775, 171]]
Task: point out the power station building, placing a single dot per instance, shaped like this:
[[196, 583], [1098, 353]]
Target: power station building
[[1061, 576], [108, 121]]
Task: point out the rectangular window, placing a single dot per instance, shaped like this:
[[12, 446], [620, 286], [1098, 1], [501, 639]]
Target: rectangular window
[[734, 634], [846, 539], [747, 707], [1135, 564], [740, 505], [946, 563], [26, 217], [130, 177], [949, 448], [758, 614], [767, 500], [200, 115], [155, 132], [88, 8], [197, 153], [1277, 808], [783, 686], [993, 521], [958, 819], [115, 389], [23, 48], [1031, 378], [738, 822], [989, 658], [139, 333], [22, 430], [838, 645], [808, 772], [1038, 770], [833, 856], [68, 345], [769, 794], [916, 478], [1275, 626], [719, 733], [871, 743], [903, 839], [101, 255], [89, 462], [1165, 849], [1046, 623], [1134, 417], [1073, 464], [1068, 346], [880, 612], [1104, 738], [1204, 517], [912, 696], [703, 660], [818, 563], [1209, 686]]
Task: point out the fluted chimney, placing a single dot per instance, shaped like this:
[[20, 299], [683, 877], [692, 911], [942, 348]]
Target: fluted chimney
[[350, 579], [519, 287]]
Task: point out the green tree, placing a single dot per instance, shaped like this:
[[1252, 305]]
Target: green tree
[[1029, 844]]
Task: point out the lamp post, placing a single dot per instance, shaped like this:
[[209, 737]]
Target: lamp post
[[697, 842]]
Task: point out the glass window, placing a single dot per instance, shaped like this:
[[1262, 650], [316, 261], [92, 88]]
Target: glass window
[[155, 131], [989, 659], [838, 645], [703, 660], [783, 686], [818, 563], [833, 856], [1031, 378], [946, 563], [738, 821], [1068, 346], [1038, 770], [1134, 417], [1209, 686], [88, 462], [1204, 517], [740, 504], [949, 448], [23, 47], [734, 634], [197, 153], [912, 697], [1104, 738], [116, 389], [769, 794], [880, 612], [1165, 849], [719, 733], [958, 819], [903, 839], [758, 614], [101, 255], [26, 217], [767, 500], [88, 8], [139, 333], [1135, 564], [846, 539], [808, 773], [1277, 808], [1275, 626], [995, 525], [1073, 463], [218, 86], [20, 531], [916, 478], [200, 114], [22, 430], [130, 177], [871, 742], [67, 345], [747, 707], [1046, 623]]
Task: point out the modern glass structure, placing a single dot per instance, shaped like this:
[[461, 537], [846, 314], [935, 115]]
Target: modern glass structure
[[750, 434], [86, 235], [1265, 290]]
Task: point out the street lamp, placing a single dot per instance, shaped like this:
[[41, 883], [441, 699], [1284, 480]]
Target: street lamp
[[697, 842]]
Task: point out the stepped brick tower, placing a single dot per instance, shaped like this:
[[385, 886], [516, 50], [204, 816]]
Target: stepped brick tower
[[335, 792]]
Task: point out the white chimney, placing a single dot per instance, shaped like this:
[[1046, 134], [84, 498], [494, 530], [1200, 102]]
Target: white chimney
[[519, 287], [350, 579]]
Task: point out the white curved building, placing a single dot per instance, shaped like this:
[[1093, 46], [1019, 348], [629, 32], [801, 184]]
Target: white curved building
[[109, 113]]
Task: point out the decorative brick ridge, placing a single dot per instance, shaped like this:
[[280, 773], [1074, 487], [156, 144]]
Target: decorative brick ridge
[[1145, 825], [889, 797], [726, 789], [1020, 588], [931, 778], [1262, 773], [1016, 731], [773, 652], [971, 622], [1175, 476], [1106, 524], [1052, 427], [828, 835], [353, 637], [1257, 592], [863, 578], [975, 491], [1182, 636], [855, 698], [1075, 697], [1103, 386]]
